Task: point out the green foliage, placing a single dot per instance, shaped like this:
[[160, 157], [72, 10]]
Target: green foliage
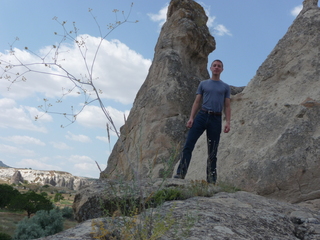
[[225, 187], [67, 212], [7, 194], [4, 236], [58, 197], [45, 194], [42, 224], [167, 194], [30, 202]]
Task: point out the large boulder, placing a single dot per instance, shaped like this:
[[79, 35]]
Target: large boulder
[[273, 146], [155, 128], [239, 215]]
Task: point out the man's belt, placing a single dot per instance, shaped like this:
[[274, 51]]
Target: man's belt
[[211, 112]]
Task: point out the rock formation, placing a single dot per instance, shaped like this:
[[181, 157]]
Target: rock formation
[[155, 128], [16, 178], [239, 215], [273, 146], [54, 178]]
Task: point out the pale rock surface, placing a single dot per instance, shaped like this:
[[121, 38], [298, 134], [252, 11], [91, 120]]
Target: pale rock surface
[[238, 216], [155, 128], [55, 178], [273, 148]]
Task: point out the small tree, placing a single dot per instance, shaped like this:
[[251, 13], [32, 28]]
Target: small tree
[[67, 213], [7, 194], [58, 197], [44, 223], [30, 202]]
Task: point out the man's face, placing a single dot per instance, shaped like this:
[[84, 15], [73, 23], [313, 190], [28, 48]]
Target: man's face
[[216, 67]]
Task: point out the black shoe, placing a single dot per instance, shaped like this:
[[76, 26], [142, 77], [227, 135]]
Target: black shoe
[[212, 178], [180, 176]]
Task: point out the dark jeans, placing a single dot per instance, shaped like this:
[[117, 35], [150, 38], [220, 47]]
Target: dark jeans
[[212, 125]]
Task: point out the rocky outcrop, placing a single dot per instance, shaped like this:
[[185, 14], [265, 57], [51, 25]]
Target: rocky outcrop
[[273, 146], [54, 178], [155, 127], [239, 215], [16, 178]]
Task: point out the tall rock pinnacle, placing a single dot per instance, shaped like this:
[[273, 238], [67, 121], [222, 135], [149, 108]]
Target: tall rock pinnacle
[[155, 128]]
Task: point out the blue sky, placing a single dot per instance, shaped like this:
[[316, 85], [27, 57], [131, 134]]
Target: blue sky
[[245, 33]]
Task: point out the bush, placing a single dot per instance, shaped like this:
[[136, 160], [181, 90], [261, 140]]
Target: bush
[[8, 193], [42, 224], [58, 197], [168, 194], [4, 236], [67, 212]]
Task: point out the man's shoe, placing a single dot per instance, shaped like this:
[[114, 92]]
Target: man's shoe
[[212, 178], [179, 176]]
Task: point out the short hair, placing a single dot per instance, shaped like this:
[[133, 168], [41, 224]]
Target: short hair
[[217, 60]]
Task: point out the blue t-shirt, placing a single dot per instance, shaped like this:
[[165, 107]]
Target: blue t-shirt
[[213, 94]]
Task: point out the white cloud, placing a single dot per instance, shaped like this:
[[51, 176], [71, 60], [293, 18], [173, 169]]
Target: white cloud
[[296, 10], [7, 149], [217, 29], [77, 138], [60, 145], [36, 164], [103, 139], [118, 71], [24, 140], [20, 117], [78, 158], [221, 30], [92, 116], [160, 17]]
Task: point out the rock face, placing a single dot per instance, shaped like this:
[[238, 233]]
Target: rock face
[[55, 178], [155, 127], [273, 147], [239, 215], [16, 178]]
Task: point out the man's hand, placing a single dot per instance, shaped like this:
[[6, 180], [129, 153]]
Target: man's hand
[[189, 123], [227, 127]]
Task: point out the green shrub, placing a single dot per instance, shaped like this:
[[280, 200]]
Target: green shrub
[[67, 212], [45, 194], [58, 197], [8, 193], [4, 236], [42, 224], [167, 194]]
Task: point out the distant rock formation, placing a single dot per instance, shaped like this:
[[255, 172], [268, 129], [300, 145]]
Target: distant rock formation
[[16, 178], [273, 147], [155, 127], [54, 178]]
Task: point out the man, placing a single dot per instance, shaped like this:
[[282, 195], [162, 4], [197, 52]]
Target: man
[[215, 97]]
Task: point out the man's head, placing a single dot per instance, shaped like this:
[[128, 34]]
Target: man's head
[[217, 60], [216, 67]]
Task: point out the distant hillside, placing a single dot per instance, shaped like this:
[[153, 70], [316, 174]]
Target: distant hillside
[[3, 165]]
